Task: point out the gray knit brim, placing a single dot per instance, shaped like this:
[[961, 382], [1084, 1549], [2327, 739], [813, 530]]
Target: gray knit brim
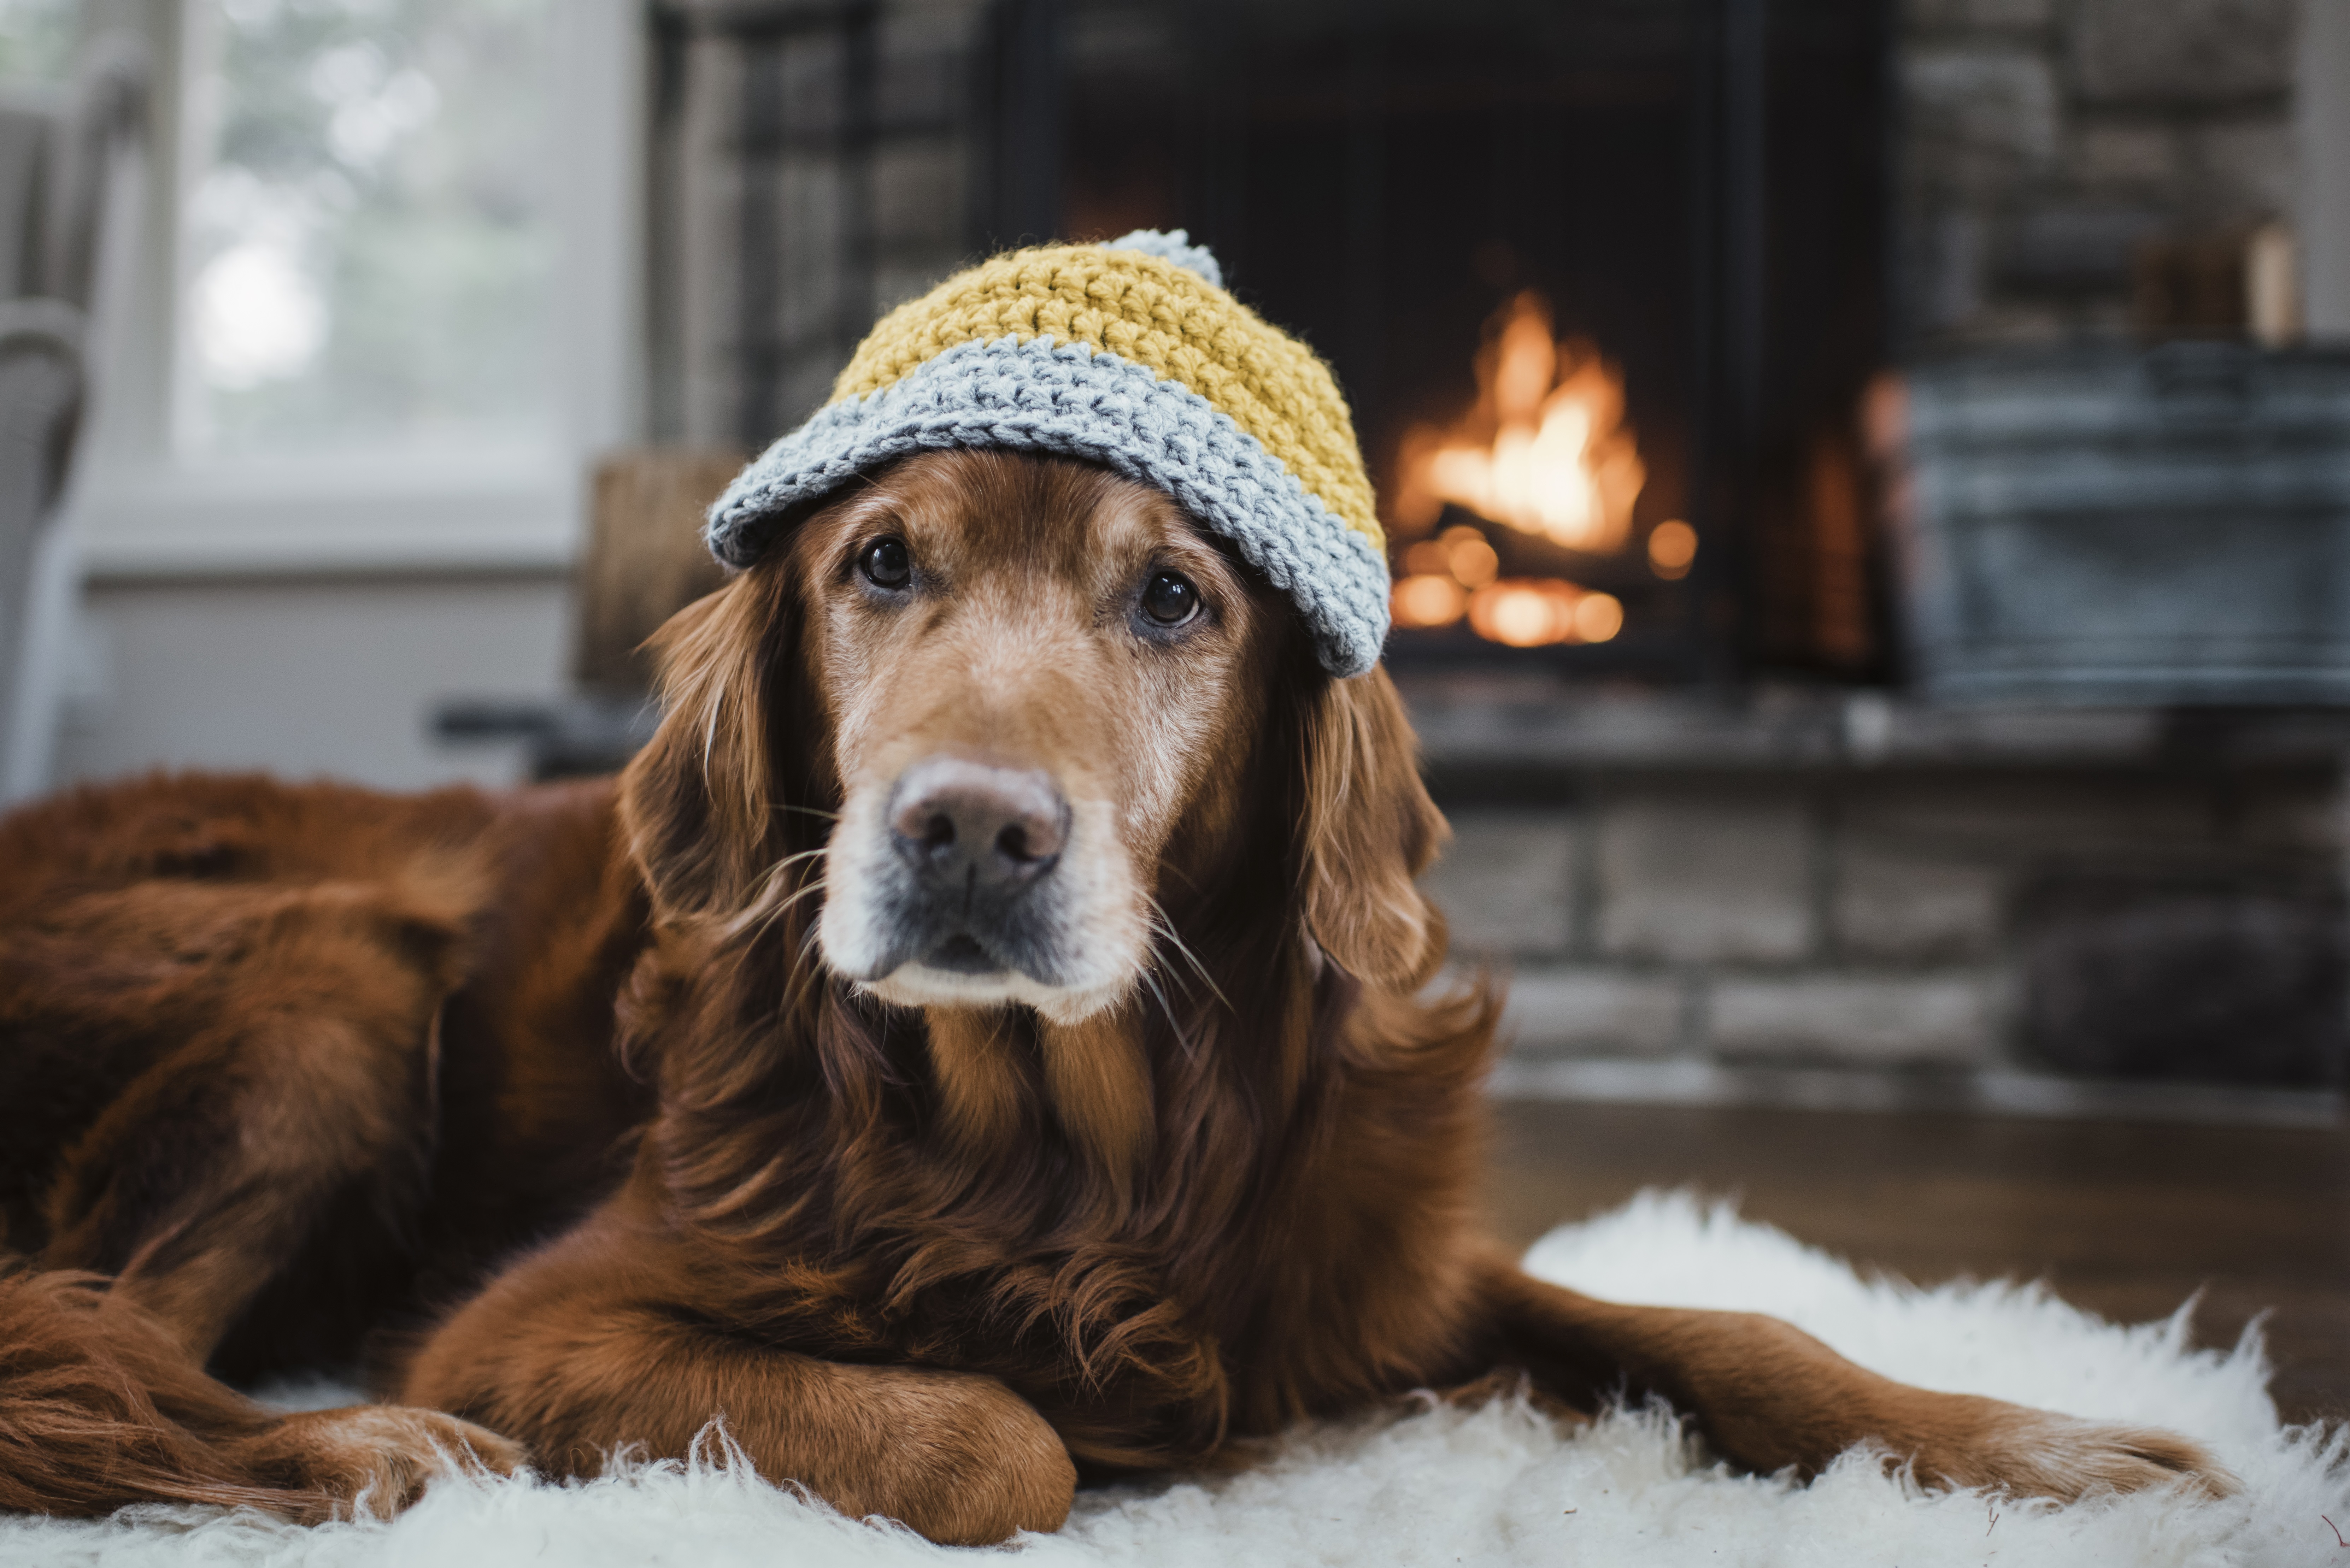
[[1067, 400]]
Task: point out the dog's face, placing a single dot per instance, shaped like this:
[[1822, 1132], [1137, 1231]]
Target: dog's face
[[1034, 673], [1042, 699]]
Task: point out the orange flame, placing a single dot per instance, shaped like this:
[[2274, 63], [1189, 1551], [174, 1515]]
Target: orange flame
[[1457, 574], [1543, 450], [1533, 612]]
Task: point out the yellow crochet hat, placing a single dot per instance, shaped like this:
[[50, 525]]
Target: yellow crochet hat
[[1129, 354]]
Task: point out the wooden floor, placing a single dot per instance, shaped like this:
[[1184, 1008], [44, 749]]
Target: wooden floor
[[2126, 1220]]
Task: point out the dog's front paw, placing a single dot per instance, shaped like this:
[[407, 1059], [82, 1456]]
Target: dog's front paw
[[1960, 1441], [379, 1458]]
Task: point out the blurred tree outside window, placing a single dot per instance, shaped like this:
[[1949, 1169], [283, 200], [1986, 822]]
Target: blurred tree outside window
[[369, 241], [38, 38]]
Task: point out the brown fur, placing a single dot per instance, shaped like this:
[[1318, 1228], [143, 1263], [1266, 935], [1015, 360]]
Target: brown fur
[[555, 1092]]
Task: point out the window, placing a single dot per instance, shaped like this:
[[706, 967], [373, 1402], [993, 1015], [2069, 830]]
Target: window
[[385, 309], [370, 240]]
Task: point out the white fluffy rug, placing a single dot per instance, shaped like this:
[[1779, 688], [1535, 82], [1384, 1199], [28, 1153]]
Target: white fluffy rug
[[1495, 1486]]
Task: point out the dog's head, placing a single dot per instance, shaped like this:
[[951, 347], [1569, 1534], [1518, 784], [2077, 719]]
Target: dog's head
[[1028, 719]]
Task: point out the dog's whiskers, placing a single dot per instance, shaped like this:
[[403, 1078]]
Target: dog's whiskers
[[1174, 1024], [1165, 929], [764, 910], [769, 876], [803, 972]]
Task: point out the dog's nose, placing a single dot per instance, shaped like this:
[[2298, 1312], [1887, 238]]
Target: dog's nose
[[976, 828]]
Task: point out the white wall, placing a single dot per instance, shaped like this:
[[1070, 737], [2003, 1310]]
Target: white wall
[[305, 676]]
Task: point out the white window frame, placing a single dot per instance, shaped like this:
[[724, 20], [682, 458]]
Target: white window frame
[[143, 510]]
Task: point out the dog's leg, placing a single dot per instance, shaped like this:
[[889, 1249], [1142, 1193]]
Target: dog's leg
[[299, 1071], [598, 1343], [1771, 1398]]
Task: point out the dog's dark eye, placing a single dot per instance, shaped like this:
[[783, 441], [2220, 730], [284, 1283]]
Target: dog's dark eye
[[1169, 599], [885, 564]]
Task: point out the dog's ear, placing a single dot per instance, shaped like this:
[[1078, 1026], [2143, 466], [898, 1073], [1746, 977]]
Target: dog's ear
[[1370, 829], [701, 803]]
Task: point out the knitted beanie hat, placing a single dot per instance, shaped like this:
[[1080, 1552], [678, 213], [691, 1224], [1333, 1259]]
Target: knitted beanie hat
[[1128, 353]]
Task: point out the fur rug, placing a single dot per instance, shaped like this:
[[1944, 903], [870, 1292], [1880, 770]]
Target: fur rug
[[1498, 1485]]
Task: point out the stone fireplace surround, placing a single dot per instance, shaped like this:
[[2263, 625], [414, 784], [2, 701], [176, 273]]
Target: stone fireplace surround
[[1841, 897]]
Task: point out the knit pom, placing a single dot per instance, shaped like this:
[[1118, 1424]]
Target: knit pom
[[1174, 246]]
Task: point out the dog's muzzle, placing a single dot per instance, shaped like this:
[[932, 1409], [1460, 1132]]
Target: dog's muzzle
[[977, 846]]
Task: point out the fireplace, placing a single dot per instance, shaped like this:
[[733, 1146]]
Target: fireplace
[[1603, 282]]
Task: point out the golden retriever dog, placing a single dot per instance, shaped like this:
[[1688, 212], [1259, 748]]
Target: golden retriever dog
[[979, 1046]]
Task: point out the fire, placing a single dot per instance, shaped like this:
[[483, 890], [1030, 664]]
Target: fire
[[1425, 599], [1533, 612], [1543, 450], [1457, 574]]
